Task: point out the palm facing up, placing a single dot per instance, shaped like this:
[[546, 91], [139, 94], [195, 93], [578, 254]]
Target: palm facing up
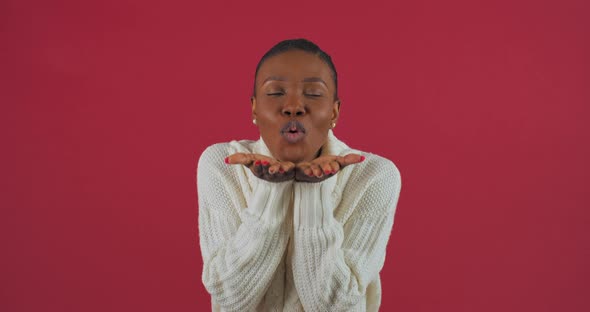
[[272, 170]]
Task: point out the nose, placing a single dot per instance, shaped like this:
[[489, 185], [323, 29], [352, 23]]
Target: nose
[[293, 107]]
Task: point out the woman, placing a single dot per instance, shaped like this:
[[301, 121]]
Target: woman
[[296, 220]]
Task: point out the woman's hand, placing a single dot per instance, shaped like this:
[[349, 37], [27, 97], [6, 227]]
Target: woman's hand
[[324, 167], [272, 170], [264, 167]]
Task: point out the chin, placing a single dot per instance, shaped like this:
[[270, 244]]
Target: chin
[[292, 154], [292, 158]]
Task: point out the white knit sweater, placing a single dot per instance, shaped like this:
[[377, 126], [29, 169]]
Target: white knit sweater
[[294, 246]]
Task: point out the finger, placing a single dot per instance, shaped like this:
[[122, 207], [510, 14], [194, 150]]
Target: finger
[[240, 159], [326, 168], [350, 159], [274, 168], [263, 164], [317, 171], [246, 159], [287, 166], [256, 168], [335, 166], [306, 169], [264, 160]]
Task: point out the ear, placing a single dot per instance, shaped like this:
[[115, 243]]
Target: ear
[[253, 103], [335, 111]]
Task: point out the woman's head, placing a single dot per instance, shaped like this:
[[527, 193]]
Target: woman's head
[[295, 100], [301, 45]]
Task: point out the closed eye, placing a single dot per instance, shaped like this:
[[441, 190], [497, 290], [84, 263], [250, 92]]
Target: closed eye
[[275, 94]]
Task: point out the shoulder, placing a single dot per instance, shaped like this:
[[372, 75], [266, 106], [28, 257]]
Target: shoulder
[[211, 163], [372, 187], [373, 168], [216, 153], [380, 168]]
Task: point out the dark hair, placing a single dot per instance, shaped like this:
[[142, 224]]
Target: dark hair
[[303, 45]]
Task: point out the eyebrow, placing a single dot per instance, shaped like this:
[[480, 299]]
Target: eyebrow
[[315, 79], [274, 78], [310, 79]]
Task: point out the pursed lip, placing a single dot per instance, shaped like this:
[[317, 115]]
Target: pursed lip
[[293, 131]]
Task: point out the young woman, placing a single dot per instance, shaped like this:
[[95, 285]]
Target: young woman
[[296, 220]]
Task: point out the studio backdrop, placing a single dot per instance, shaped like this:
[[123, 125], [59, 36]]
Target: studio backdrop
[[107, 105]]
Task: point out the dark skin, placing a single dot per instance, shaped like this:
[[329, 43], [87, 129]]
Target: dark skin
[[294, 86]]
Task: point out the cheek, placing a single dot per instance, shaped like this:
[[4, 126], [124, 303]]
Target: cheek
[[266, 114], [268, 111], [322, 119], [268, 124]]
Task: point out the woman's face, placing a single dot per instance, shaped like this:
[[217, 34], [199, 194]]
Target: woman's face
[[294, 105]]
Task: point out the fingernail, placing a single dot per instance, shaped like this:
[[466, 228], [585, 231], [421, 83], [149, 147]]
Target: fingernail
[[362, 158], [328, 172], [281, 170], [257, 162], [226, 160], [264, 162]]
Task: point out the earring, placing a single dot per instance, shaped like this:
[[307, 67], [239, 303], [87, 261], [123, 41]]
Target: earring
[[333, 125], [254, 121]]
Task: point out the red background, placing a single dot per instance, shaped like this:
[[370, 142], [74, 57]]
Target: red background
[[106, 106]]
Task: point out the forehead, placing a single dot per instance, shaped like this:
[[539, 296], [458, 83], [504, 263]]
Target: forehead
[[294, 65]]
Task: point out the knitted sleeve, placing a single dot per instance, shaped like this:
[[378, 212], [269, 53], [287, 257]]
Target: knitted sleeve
[[334, 263], [241, 248]]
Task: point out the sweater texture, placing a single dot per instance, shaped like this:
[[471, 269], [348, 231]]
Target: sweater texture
[[294, 246]]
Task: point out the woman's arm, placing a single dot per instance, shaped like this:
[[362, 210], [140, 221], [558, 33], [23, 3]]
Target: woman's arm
[[335, 263], [241, 251]]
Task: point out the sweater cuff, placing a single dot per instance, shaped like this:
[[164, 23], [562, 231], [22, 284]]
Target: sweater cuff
[[313, 204], [269, 201]]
